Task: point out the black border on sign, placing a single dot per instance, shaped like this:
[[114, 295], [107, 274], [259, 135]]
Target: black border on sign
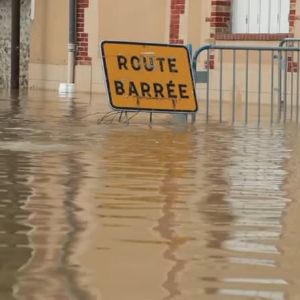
[[145, 109]]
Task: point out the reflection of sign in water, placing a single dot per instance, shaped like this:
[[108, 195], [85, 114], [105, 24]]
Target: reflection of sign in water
[[153, 77]]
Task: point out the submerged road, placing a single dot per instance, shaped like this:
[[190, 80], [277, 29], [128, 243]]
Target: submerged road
[[116, 210]]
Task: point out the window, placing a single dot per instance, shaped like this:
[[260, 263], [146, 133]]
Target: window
[[260, 16]]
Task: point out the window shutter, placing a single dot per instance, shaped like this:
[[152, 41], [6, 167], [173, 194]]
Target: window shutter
[[284, 16], [260, 16], [254, 17], [240, 16], [264, 15], [274, 16]]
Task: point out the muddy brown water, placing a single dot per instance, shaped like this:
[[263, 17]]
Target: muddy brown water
[[119, 211]]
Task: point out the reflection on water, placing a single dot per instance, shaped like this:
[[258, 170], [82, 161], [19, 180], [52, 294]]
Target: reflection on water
[[256, 203], [170, 211], [14, 228]]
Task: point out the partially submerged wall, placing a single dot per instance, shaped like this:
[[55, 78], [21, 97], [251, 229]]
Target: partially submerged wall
[[5, 42]]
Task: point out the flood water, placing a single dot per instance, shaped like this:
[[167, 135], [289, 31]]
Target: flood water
[[119, 211]]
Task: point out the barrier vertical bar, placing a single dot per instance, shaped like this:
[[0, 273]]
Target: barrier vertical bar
[[272, 88], [221, 85], [297, 99], [190, 50], [292, 84], [285, 88], [194, 62], [207, 85], [259, 87], [280, 65], [247, 86], [233, 85]]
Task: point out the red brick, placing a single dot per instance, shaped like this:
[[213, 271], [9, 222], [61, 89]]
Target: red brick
[[82, 37], [220, 14], [221, 3], [217, 19], [177, 9]]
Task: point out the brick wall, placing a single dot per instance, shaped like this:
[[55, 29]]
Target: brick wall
[[177, 9], [220, 18], [292, 16], [82, 57]]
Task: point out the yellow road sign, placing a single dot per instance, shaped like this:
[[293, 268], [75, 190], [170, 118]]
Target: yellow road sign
[[146, 76]]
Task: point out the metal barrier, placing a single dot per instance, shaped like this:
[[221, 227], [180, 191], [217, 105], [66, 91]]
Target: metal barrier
[[254, 83], [290, 42], [288, 62]]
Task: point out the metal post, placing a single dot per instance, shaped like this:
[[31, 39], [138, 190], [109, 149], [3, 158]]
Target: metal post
[[247, 87], [292, 85], [272, 88], [221, 86], [233, 85], [190, 49], [297, 99], [259, 88], [72, 40], [15, 44], [207, 84], [285, 86]]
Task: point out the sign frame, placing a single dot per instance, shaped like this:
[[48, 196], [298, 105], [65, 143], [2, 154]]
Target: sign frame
[[108, 84]]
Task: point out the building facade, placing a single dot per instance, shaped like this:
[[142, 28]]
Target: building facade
[[196, 22]]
